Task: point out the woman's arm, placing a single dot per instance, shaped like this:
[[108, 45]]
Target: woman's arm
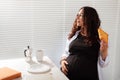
[[103, 50], [63, 61], [66, 53], [104, 58], [68, 41]]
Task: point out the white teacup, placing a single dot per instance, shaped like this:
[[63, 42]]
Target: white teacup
[[39, 55]]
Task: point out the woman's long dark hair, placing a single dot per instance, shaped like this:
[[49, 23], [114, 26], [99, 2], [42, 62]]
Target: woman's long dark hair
[[91, 21]]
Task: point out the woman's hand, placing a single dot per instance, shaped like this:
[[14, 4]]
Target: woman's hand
[[103, 49], [63, 66]]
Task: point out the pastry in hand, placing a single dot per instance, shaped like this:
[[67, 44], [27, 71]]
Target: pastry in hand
[[103, 35]]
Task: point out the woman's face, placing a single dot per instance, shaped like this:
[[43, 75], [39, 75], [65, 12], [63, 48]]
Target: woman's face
[[80, 18]]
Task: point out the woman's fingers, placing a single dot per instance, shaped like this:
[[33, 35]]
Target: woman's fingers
[[65, 63], [64, 68], [65, 72]]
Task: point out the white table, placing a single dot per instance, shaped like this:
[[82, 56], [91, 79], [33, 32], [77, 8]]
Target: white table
[[21, 65]]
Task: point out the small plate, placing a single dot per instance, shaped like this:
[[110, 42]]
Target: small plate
[[39, 68]]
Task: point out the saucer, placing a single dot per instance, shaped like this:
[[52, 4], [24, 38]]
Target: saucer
[[38, 68]]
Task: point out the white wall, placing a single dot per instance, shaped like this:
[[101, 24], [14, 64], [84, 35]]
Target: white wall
[[15, 27], [38, 23], [48, 27], [117, 54]]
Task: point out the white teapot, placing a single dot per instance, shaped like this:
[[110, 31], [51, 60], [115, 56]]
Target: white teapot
[[27, 54]]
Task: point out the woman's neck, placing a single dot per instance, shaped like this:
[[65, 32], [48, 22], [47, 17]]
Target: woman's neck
[[83, 31]]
